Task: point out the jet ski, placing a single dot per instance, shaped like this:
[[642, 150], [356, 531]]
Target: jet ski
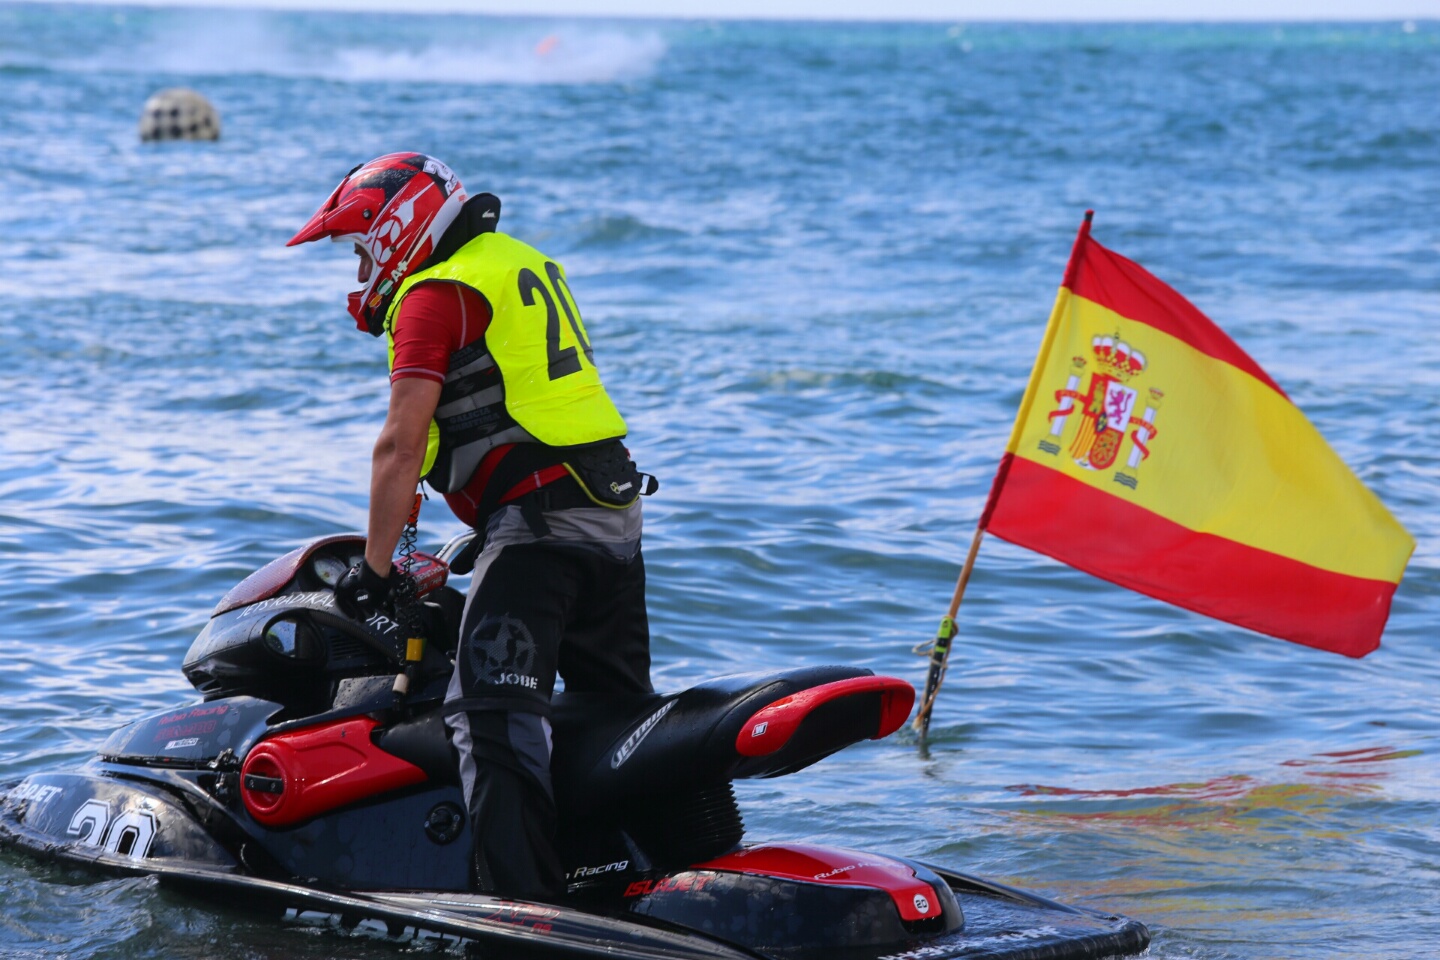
[[303, 785]]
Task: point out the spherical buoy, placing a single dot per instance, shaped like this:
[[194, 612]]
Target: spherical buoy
[[179, 114]]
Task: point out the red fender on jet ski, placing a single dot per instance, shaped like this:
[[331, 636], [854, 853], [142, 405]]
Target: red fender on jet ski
[[771, 728]]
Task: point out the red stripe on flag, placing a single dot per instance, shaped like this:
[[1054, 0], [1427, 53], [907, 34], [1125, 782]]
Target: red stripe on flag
[[1111, 538], [1104, 277]]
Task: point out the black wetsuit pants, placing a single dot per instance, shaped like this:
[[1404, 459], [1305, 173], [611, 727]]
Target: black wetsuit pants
[[571, 602]]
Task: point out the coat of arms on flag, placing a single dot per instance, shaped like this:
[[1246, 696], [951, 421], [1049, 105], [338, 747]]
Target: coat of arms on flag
[[1116, 400]]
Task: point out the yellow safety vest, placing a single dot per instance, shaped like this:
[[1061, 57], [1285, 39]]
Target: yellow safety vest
[[549, 390]]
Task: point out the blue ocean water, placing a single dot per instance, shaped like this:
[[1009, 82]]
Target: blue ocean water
[[816, 260]]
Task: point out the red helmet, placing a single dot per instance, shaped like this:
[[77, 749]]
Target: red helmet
[[395, 208]]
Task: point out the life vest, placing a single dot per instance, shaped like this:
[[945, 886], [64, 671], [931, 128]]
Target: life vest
[[530, 378]]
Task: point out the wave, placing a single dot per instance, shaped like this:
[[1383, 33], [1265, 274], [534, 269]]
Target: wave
[[476, 51], [610, 57]]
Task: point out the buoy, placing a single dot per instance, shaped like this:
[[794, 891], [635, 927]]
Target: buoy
[[179, 114]]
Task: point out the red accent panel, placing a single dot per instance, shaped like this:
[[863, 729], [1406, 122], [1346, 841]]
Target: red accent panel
[[321, 768], [430, 573], [267, 581], [773, 726], [464, 503], [535, 481], [844, 868], [1122, 285], [1059, 516]]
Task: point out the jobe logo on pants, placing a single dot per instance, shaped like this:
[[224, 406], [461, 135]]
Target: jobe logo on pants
[[502, 653]]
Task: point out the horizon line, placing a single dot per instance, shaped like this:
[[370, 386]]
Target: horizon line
[[500, 10]]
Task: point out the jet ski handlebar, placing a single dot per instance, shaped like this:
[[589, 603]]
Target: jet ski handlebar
[[459, 552]]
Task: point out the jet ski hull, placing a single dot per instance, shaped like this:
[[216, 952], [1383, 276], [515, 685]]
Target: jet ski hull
[[303, 786], [147, 831]]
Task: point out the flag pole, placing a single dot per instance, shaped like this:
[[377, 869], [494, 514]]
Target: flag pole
[[940, 647]]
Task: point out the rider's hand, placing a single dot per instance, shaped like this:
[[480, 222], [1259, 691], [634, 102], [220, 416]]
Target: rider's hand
[[361, 592]]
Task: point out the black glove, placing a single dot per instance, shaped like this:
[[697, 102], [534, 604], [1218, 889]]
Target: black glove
[[361, 592]]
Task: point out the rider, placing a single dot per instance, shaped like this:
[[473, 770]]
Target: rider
[[496, 402]]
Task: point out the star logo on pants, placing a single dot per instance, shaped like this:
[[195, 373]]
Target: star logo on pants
[[502, 652]]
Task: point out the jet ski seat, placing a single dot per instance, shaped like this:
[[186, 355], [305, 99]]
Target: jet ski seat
[[647, 780], [743, 726], [609, 749]]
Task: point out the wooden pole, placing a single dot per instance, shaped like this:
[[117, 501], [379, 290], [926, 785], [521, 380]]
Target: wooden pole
[[940, 652], [940, 649]]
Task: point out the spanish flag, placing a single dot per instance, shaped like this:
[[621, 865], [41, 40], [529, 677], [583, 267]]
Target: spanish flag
[[1151, 451]]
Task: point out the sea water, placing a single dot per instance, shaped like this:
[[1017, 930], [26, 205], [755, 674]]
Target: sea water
[[816, 261]]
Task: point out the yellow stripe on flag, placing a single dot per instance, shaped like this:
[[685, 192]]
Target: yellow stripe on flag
[[1229, 456]]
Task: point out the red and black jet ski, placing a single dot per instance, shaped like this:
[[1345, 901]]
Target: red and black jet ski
[[302, 785]]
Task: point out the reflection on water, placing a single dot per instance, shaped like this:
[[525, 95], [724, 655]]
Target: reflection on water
[[1235, 788], [1249, 859]]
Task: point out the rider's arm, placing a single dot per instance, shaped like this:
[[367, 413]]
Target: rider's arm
[[434, 320], [395, 466]]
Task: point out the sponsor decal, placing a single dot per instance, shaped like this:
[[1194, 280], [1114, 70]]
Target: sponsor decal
[[429, 573], [847, 868], [503, 653], [374, 928], [193, 713], [381, 624], [522, 914], [760, 729], [287, 602], [534, 919], [627, 749], [182, 743], [36, 794], [618, 867], [943, 950], [383, 241], [180, 732], [439, 170], [684, 883]]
